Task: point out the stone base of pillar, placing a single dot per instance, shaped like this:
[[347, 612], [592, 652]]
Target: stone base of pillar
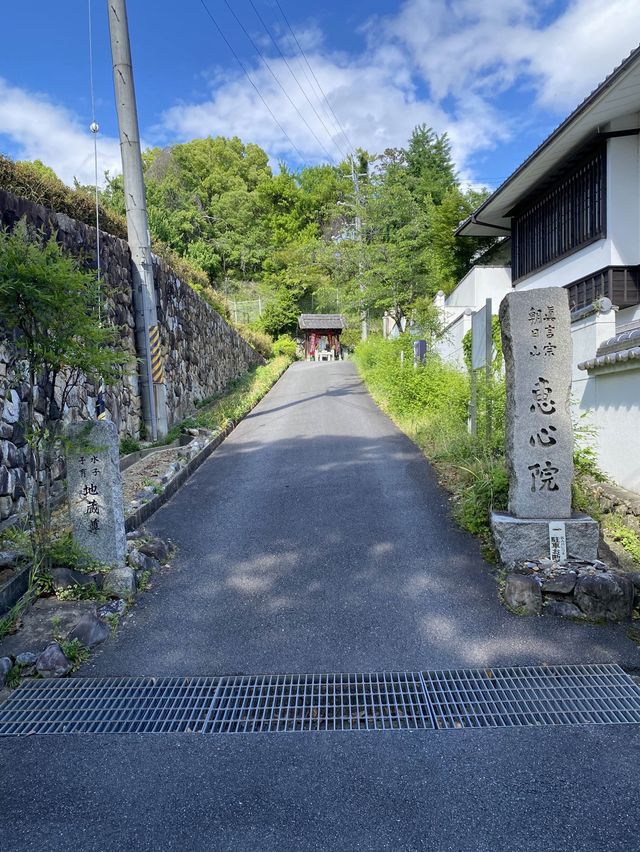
[[522, 539]]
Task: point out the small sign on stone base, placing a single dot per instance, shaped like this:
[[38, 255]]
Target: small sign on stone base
[[94, 486], [558, 541], [521, 539]]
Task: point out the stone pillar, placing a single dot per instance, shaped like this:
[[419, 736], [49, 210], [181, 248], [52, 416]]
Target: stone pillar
[[536, 340], [94, 486]]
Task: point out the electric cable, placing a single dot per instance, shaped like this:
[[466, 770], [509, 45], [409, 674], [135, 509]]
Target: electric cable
[[94, 130], [248, 76], [329, 133], [304, 56], [270, 70]]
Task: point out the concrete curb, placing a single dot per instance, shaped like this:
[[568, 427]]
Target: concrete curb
[[142, 514]]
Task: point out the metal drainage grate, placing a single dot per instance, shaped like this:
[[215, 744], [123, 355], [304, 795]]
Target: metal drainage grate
[[560, 695], [248, 704], [554, 695]]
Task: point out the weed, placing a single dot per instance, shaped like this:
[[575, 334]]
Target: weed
[[144, 580], [78, 592], [623, 534], [128, 445], [113, 619], [43, 583], [67, 553], [10, 621], [633, 633], [75, 652], [13, 678]]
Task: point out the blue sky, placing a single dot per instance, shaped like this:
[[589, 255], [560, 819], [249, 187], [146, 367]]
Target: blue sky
[[497, 76]]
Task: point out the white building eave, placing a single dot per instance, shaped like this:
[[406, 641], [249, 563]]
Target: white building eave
[[618, 95]]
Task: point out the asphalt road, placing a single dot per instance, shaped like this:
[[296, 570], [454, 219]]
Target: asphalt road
[[316, 539]]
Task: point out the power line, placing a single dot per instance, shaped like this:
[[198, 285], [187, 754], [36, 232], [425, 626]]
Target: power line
[[269, 69], [292, 72], [304, 56], [94, 130], [248, 76]]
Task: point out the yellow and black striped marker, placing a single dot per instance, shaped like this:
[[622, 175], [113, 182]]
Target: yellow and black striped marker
[[157, 370]]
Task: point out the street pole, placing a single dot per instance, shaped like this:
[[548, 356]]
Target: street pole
[[153, 390], [488, 369], [364, 324]]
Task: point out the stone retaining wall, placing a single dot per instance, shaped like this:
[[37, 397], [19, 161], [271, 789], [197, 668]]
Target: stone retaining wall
[[623, 503], [201, 352]]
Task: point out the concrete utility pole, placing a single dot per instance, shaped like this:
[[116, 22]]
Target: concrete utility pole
[[364, 323], [154, 403]]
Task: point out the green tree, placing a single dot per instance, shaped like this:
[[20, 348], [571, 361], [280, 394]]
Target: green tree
[[430, 164], [49, 307]]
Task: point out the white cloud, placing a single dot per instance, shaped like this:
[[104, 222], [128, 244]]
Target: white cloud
[[462, 46], [477, 70], [447, 63], [582, 48], [41, 130], [375, 102]]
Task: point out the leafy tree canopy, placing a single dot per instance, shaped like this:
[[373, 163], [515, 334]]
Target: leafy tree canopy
[[376, 233]]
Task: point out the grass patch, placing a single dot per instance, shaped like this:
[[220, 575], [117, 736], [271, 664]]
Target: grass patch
[[9, 622], [625, 536], [75, 652], [144, 581], [128, 445], [240, 396]]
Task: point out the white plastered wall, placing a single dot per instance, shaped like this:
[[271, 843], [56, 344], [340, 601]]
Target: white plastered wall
[[608, 400], [478, 285]]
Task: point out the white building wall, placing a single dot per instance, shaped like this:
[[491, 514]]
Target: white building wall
[[478, 285], [450, 346], [608, 400]]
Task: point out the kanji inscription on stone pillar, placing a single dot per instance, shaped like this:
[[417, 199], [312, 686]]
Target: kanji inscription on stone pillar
[[536, 337], [94, 486]]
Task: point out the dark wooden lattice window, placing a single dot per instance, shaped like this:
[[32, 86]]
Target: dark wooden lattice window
[[562, 219], [621, 284]]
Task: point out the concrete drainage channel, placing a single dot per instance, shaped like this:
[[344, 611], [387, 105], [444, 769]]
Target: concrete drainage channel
[[478, 698]]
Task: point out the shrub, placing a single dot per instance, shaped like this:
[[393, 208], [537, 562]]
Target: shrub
[[128, 445], [408, 392], [40, 185], [259, 340], [285, 345]]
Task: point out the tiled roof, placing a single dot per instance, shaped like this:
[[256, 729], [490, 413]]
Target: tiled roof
[[623, 347], [583, 107], [321, 321]]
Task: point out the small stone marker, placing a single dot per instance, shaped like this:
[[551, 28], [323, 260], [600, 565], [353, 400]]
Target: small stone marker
[[94, 486], [536, 334]]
